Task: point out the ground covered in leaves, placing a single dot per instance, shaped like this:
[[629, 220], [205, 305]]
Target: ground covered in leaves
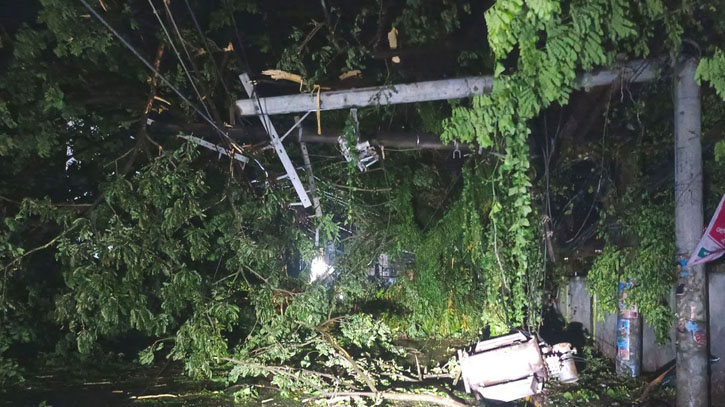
[[119, 383], [599, 385]]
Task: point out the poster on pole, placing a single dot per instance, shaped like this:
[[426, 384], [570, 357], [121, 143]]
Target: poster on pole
[[712, 244]]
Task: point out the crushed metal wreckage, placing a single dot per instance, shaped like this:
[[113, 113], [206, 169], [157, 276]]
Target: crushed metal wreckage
[[514, 366]]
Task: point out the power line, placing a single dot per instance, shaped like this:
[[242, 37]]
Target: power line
[[154, 70], [245, 61], [178, 55], [208, 49], [194, 69]]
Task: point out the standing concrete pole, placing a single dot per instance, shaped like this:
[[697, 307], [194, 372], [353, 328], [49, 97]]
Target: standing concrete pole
[[692, 350]]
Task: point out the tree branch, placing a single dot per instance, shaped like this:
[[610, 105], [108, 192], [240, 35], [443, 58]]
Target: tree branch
[[358, 370], [288, 372], [143, 136], [259, 276], [420, 398]]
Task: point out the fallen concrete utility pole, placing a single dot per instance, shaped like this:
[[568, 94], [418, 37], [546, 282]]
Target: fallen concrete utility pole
[[253, 135], [692, 326], [634, 71], [390, 139]]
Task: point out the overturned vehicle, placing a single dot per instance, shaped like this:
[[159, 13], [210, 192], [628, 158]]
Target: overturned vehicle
[[514, 366]]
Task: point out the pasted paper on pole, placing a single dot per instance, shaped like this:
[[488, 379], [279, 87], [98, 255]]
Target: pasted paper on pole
[[712, 244]]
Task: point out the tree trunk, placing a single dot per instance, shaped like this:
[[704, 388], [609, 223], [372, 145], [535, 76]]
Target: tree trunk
[[692, 335]]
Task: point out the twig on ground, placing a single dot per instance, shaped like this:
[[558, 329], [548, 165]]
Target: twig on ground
[[420, 398], [155, 396]]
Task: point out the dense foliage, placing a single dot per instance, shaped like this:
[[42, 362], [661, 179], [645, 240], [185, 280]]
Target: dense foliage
[[117, 238], [646, 264]]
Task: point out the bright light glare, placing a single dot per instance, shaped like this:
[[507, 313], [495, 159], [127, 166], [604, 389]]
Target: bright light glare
[[319, 269]]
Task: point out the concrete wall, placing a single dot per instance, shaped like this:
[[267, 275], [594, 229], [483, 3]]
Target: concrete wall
[[576, 305], [605, 334], [655, 356]]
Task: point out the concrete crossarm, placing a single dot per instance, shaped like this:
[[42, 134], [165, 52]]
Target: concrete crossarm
[[446, 89]]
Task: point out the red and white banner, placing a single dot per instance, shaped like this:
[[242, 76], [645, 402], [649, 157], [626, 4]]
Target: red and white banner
[[712, 244]]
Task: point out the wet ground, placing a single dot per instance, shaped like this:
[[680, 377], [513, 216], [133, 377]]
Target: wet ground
[[129, 384], [121, 385]]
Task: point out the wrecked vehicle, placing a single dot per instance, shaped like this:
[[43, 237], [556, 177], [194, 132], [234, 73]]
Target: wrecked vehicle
[[514, 366]]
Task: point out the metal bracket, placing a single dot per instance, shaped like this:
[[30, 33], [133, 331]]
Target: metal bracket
[[277, 144], [215, 147], [310, 175], [294, 126], [457, 151]]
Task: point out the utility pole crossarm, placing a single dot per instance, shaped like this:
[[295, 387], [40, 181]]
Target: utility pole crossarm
[[277, 144], [215, 147], [447, 89]]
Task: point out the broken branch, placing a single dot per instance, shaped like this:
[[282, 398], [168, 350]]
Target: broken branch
[[420, 398]]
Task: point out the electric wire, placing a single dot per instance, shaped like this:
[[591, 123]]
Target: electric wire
[[154, 70], [264, 118], [214, 114], [181, 60], [245, 62], [206, 45], [176, 31]]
